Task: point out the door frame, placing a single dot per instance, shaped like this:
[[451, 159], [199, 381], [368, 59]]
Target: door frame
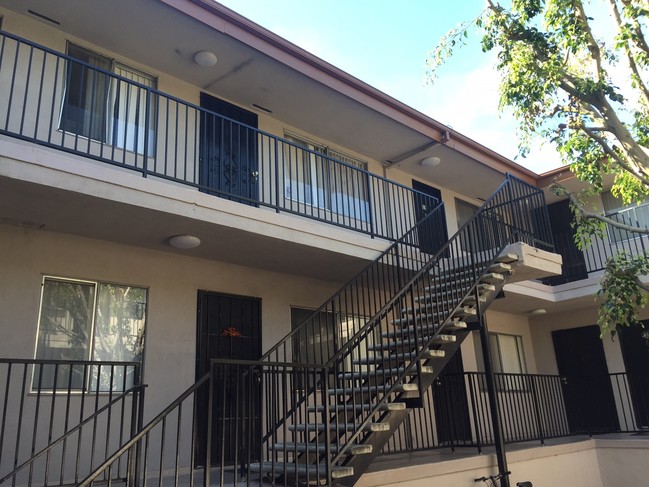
[[585, 381], [451, 404], [440, 235], [246, 172], [203, 359], [635, 355]]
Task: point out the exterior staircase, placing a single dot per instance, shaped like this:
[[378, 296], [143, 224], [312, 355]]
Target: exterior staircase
[[331, 431], [395, 373], [321, 404]]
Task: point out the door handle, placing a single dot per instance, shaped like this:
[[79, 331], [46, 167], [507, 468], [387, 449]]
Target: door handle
[[254, 175]]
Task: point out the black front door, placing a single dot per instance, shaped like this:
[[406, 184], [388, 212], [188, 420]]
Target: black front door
[[586, 385], [229, 327], [451, 405], [574, 263], [228, 153], [433, 234], [635, 352]]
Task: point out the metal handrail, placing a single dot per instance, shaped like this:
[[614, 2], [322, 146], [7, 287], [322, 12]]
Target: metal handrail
[[411, 269], [414, 286], [73, 430], [170, 129], [134, 440], [406, 239], [63, 410]]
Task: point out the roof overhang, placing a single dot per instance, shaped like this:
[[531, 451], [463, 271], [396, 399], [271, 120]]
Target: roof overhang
[[258, 67]]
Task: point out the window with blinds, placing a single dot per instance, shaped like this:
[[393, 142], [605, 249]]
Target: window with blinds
[[318, 181]]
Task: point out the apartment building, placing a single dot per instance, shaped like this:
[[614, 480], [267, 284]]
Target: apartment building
[[224, 260]]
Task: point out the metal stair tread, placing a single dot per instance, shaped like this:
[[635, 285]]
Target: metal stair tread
[[370, 374], [311, 427], [436, 340], [368, 389], [321, 448], [433, 293], [280, 468], [390, 406], [400, 357], [434, 317]]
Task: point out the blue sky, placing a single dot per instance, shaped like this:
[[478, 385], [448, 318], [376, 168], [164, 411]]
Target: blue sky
[[386, 42]]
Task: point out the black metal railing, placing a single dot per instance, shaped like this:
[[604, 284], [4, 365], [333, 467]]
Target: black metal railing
[[184, 444], [578, 263], [280, 417], [533, 407], [58, 101], [60, 419], [332, 349], [173, 447]]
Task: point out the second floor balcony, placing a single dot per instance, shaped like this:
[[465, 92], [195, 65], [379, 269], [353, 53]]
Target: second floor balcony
[[112, 114], [580, 263]]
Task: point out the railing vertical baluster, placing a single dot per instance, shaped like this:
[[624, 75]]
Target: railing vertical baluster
[[471, 379], [26, 95], [11, 89], [147, 122]]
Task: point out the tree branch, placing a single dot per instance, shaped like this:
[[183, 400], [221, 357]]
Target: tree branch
[[596, 216], [620, 161], [641, 42], [629, 55], [593, 47]]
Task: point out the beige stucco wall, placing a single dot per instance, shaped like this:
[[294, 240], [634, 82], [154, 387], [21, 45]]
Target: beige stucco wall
[[507, 323], [173, 281], [542, 327]]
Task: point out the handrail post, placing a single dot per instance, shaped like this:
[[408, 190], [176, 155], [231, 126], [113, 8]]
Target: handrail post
[[136, 427], [325, 381], [208, 443]]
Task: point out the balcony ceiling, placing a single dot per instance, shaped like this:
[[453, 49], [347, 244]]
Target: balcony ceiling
[[157, 35]]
